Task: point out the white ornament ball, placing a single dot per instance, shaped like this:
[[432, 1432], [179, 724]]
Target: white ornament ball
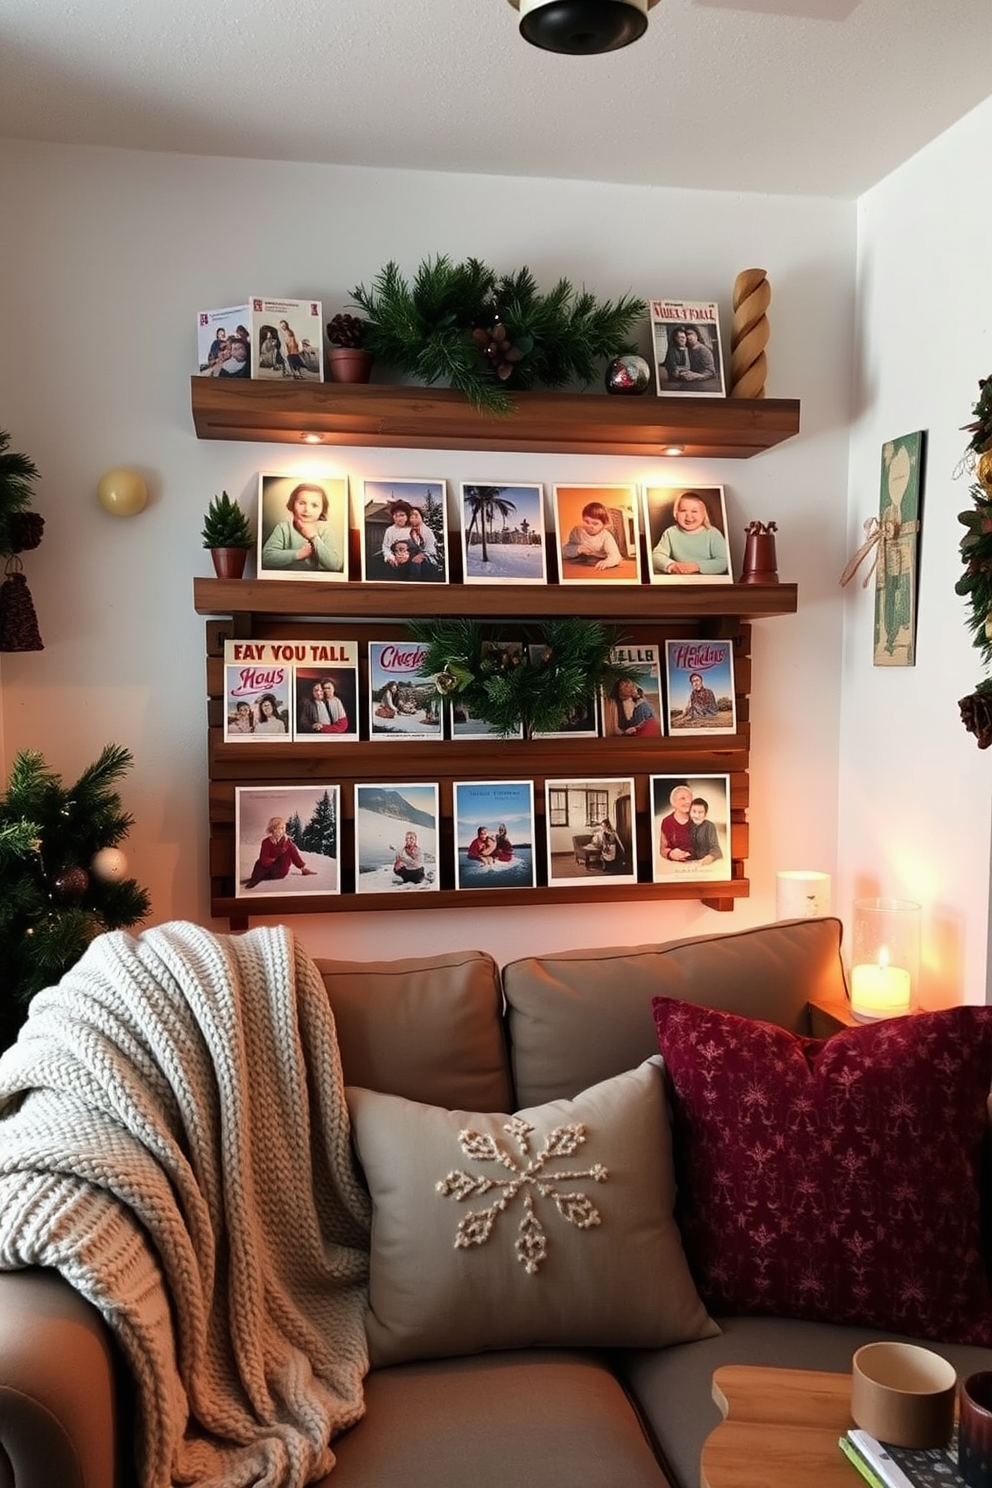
[[109, 864], [122, 493]]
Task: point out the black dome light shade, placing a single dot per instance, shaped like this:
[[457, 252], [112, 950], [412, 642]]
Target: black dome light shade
[[582, 27]]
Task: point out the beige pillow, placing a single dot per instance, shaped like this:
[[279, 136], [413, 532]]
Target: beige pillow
[[551, 1227]]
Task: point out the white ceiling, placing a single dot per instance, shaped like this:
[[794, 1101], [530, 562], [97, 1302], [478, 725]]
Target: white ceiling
[[820, 97]]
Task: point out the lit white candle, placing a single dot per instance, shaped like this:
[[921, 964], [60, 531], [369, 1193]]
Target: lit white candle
[[880, 990]]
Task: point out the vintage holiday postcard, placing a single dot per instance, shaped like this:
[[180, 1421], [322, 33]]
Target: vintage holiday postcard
[[632, 709], [686, 535], [402, 703], [223, 342], [404, 532], [688, 358], [591, 831], [396, 834], [502, 534], [287, 840], [690, 827], [257, 690], [287, 339], [700, 687], [494, 834]]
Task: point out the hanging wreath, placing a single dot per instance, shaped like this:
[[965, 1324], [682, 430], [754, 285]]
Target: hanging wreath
[[975, 584], [534, 681]]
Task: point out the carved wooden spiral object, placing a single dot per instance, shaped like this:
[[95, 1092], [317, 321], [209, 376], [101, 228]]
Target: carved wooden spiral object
[[748, 363]]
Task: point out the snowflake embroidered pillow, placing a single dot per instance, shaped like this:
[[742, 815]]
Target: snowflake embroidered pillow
[[551, 1227], [835, 1179]]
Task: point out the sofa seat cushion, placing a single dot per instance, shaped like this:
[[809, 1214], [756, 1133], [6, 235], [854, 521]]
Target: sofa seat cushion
[[500, 1420], [429, 1028], [553, 1227], [836, 1179], [581, 1016], [672, 1387]]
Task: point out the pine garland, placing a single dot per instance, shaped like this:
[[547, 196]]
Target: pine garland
[[51, 906], [534, 681], [975, 584], [484, 334], [17, 476], [976, 554]]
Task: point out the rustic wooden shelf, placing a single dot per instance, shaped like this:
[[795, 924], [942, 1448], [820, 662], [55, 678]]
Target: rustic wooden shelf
[[383, 415], [508, 602], [376, 415]]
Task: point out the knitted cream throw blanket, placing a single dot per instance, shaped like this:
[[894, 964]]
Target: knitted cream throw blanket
[[183, 1159]]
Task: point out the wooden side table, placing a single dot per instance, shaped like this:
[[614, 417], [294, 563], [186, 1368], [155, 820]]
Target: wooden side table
[[780, 1429]]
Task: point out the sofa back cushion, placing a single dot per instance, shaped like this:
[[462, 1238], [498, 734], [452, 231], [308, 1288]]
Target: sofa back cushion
[[582, 1016], [426, 1028]]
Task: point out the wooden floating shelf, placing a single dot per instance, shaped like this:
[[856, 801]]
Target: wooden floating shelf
[[598, 601], [718, 895], [386, 416]]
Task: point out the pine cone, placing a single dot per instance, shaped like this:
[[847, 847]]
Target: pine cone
[[24, 529], [976, 715], [346, 330], [497, 349]]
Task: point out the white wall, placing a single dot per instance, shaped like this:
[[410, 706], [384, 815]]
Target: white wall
[[107, 257], [914, 793]]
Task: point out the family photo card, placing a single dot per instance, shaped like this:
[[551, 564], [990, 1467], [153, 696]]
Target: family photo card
[[688, 357], [494, 834], [404, 535], [690, 827]]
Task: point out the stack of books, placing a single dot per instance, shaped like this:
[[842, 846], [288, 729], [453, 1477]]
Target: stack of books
[[886, 1466]]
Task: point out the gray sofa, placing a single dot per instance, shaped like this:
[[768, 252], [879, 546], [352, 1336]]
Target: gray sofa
[[457, 1033]]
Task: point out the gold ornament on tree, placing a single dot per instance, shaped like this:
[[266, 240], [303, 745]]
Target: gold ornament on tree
[[749, 334]]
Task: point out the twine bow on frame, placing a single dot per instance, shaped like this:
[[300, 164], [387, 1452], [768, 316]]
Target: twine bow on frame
[[878, 535]]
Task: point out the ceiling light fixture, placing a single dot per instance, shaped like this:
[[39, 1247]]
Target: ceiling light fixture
[[582, 27]]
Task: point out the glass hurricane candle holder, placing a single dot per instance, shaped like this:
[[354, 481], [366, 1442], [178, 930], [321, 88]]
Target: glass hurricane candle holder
[[885, 957]]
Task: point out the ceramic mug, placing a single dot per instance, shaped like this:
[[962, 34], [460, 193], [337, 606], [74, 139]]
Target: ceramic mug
[[975, 1430]]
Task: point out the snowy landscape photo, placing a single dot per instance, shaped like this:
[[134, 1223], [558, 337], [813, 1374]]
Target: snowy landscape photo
[[396, 839], [287, 840], [503, 534]]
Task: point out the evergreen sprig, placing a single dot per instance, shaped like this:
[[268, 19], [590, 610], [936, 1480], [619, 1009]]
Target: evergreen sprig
[[17, 477], [534, 680], [47, 830], [975, 584], [433, 328]]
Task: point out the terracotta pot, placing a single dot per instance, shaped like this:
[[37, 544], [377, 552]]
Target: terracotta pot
[[229, 563], [349, 364]]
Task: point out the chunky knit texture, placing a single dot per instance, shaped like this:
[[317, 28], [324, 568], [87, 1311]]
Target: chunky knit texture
[[174, 1140]]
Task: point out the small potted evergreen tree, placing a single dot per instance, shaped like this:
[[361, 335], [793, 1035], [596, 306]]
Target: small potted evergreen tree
[[347, 359], [227, 533]]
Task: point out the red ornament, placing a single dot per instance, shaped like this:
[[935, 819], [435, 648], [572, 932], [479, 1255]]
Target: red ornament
[[72, 884]]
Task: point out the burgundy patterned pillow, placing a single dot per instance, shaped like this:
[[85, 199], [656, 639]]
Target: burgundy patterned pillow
[[834, 1179]]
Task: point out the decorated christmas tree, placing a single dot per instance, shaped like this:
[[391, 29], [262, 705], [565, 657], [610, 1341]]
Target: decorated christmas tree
[[62, 875]]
